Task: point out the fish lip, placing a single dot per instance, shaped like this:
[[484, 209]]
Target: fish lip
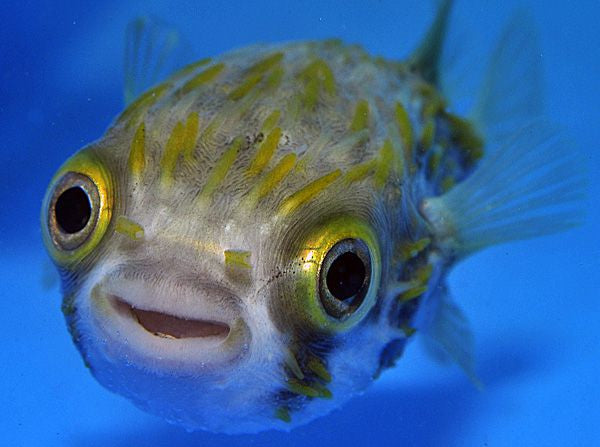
[[169, 326], [118, 335]]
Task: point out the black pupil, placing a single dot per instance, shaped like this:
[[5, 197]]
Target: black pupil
[[73, 210], [346, 276]]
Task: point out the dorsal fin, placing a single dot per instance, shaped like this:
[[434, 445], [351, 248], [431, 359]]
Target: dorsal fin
[[511, 93], [447, 336], [153, 50], [426, 59]]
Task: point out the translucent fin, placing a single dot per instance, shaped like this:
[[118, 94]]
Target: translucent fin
[[426, 59], [531, 186], [448, 337], [49, 276], [511, 93], [153, 51]]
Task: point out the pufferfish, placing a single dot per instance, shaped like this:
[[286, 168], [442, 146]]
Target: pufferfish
[[255, 239]]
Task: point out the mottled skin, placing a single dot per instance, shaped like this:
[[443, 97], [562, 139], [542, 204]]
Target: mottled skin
[[376, 175]]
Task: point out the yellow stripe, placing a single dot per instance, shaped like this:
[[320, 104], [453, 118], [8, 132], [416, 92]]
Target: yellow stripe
[[317, 366], [271, 120], [265, 152], [327, 75], [144, 102], [309, 192], [361, 116], [237, 258], [406, 133], [190, 135], [220, 170], [361, 171], [191, 67], [428, 134], [412, 250], [283, 414], [246, 86], [202, 78], [265, 64], [274, 79], [384, 165], [271, 179], [137, 153], [172, 150], [255, 75], [129, 228], [316, 75], [412, 293]]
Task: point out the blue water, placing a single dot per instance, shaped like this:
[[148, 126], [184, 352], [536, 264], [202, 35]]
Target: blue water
[[534, 306]]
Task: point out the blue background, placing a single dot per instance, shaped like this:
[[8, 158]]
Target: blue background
[[534, 306]]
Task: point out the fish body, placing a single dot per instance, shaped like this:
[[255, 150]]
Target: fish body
[[256, 238]]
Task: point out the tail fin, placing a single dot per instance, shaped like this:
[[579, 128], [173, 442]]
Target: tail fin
[[530, 186], [531, 181]]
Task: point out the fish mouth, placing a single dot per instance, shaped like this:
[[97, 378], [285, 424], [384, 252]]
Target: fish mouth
[[170, 326], [182, 329]]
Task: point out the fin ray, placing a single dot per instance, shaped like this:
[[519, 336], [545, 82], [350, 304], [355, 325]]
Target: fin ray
[[153, 50], [534, 185], [511, 93], [448, 336]]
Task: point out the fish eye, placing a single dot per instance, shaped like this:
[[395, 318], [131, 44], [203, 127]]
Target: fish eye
[[345, 277], [73, 211]]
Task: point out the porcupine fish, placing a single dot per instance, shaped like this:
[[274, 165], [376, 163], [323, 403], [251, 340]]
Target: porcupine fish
[[256, 238]]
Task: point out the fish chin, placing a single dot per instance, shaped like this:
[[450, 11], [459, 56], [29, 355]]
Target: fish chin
[[206, 366]]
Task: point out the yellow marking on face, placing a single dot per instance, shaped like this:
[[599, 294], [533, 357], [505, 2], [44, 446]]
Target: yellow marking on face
[[172, 150], [137, 152], [270, 181], [297, 387], [209, 131], [274, 79], [202, 78], [256, 74], [316, 75], [292, 363], [360, 172], [361, 116], [428, 134], [191, 67], [220, 170], [190, 135], [423, 274], [245, 87], [237, 258], [412, 250], [408, 330], [266, 64], [406, 134], [283, 414], [271, 120], [412, 293], [129, 228], [434, 105], [433, 164], [448, 183], [144, 102], [308, 193], [384, 164], [317, 366], [265, 152], [463, 133]]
